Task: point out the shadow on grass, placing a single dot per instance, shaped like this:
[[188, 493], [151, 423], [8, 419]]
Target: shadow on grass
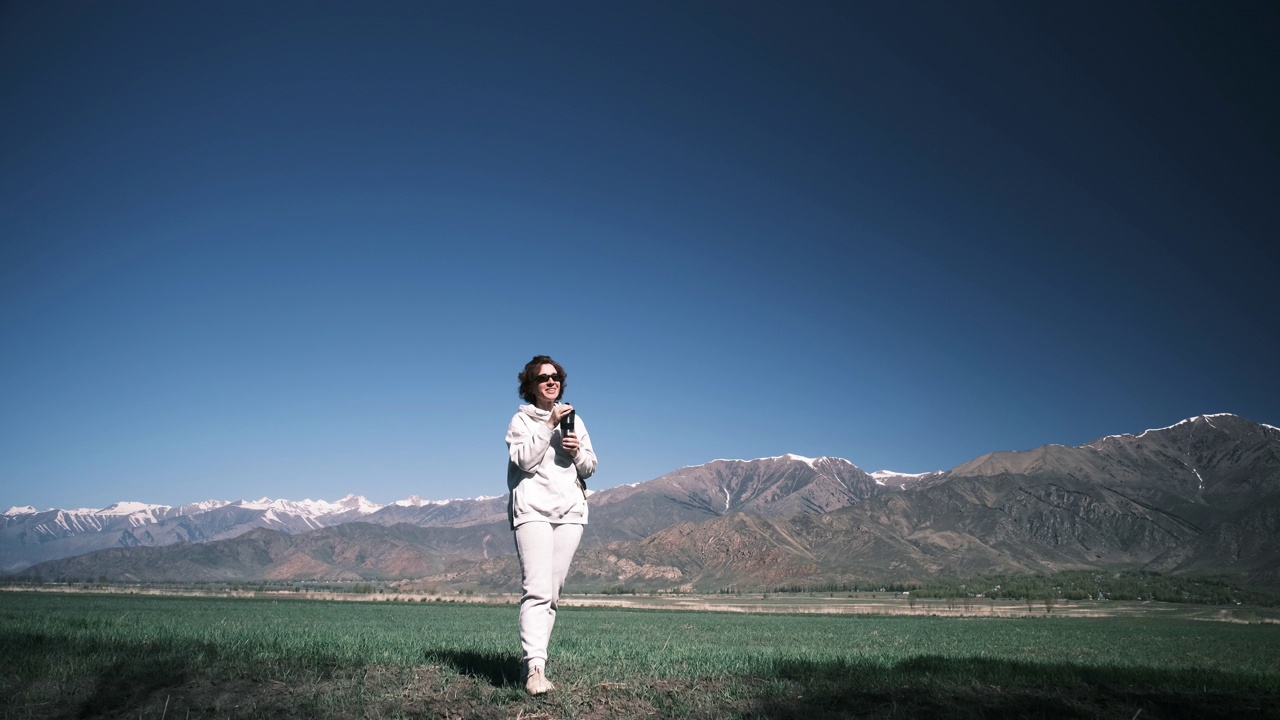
[[125, 683], [978, 688], [498, 669], [123, 673]]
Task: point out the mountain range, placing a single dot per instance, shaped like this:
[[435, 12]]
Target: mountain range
[[28, 536], [769, 486], [1201, 496]]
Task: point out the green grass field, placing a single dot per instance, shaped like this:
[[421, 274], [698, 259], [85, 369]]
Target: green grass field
[[122, 656]]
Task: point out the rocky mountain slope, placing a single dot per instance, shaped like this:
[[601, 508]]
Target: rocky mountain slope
[[28, 536], [1200, 496], [351, 551], [772, 486], [776, 486]]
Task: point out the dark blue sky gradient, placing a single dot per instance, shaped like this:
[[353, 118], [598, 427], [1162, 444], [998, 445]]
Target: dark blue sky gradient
[[301, 249]]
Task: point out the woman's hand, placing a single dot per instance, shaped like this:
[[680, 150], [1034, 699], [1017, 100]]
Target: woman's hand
[[570, 444], [557, 412]]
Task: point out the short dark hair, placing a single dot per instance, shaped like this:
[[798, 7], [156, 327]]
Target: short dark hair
[[529, 377]]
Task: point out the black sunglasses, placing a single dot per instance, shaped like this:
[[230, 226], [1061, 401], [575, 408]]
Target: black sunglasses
[[544, 378]]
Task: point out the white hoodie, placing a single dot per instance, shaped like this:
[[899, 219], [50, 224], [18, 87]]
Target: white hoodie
[[542, 477]]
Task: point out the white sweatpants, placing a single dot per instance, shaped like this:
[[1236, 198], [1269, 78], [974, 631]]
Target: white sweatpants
[[545, 551]]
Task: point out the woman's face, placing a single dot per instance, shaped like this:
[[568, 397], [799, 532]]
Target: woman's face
[[549, 391]]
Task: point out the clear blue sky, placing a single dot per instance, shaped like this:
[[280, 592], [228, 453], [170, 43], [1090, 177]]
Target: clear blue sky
[[295, 249]]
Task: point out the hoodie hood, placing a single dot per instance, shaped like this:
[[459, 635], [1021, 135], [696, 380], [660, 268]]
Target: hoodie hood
[[534, 411]]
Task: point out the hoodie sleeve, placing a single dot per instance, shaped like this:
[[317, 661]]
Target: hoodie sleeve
[[586, 460], [527, 442]]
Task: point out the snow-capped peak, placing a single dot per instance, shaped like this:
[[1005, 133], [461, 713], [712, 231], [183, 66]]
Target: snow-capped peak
[[806, 460], [416, 501], [130, 508], [1191, 420], [811, 462], [359, 503], [202, 506], [882, 477], [20, 510], [784, 456], [312, 508], [305, 507], [413, 501], [893, 473]]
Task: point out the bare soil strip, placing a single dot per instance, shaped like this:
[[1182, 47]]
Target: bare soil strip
[[816, 603]]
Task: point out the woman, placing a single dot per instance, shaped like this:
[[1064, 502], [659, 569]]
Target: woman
[[546, 475]]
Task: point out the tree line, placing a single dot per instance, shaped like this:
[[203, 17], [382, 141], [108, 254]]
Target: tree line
[[1067, 585]]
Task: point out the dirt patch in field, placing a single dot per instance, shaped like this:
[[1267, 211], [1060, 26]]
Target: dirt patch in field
[[440, 691]]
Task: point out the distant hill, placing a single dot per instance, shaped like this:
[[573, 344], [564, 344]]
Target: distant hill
[[351, 551], [28, 536], [771, 486], [776, 486], [1201, 496]]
